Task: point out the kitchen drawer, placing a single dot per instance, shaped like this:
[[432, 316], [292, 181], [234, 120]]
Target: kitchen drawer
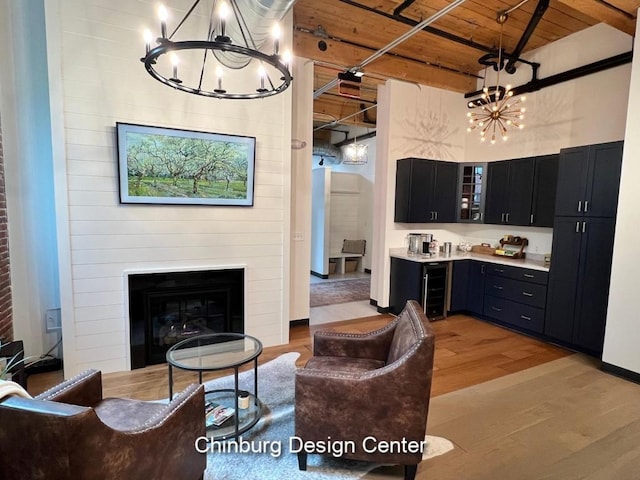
[[517, 291], [513, 313], [517, 273]]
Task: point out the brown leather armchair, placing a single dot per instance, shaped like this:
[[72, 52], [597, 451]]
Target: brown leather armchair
[[367, 391], [71, 432]]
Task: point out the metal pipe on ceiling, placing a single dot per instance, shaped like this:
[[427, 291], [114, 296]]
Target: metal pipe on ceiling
[[573, 74], [436, 16], [510, 67]]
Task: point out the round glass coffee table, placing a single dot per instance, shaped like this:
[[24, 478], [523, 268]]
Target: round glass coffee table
[[221, 351]]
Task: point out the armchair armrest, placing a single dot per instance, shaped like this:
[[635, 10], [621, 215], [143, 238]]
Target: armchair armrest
[[42, 407], [85, 389], [189, 402], [373, 345]]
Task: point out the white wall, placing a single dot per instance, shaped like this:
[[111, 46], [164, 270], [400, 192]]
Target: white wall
[[24, 108], [102, 81], [365, 209], [320, 208], [622, 335], [413, 121], [301, 129]]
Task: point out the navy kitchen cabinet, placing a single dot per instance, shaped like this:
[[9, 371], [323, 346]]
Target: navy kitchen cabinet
[[509, 191], [589, 180], [425, 191]]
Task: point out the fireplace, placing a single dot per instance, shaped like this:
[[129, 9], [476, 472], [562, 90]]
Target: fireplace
[[165, 308]]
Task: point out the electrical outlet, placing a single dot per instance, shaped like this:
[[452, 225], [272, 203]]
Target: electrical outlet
[[298, 237], [52, 320]]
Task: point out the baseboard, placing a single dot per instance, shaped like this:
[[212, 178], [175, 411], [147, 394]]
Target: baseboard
[[319, 275], [373, 302], [367, 270], [383, 309], [300, 322], [620, 372]]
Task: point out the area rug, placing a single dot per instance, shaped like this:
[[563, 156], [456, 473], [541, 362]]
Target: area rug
[[276, 389], [340, 291]]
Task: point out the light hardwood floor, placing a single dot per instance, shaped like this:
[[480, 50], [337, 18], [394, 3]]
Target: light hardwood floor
[[468, 352], [515, 408]]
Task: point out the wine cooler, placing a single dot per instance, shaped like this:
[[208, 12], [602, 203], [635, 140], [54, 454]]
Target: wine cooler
[[434, 290]]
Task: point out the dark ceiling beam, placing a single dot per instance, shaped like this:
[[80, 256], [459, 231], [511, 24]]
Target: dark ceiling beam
[[401, 8], [347, 141], [432, 30]]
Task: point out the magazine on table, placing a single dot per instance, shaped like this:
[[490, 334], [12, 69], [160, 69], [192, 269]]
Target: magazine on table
[[217, 414]]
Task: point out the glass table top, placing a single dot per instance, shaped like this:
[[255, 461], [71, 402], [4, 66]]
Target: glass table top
[[214, 351]]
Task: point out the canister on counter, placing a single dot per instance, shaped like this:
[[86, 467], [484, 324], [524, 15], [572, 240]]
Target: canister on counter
[[447, 248]]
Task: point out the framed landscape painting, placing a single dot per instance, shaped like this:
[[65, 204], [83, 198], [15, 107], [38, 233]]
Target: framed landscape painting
[[169, 166]]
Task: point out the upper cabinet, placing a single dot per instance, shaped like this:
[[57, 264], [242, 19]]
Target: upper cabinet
[[588, 179], [545, 181], [425, 191], [509, 191], [471, 192]]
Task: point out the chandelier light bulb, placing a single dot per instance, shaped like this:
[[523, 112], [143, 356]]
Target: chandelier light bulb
[[262, 73], [148, 38], [224, 11], [276, 32], [287, 57], [219, 74], [174, 62], [163, 15]]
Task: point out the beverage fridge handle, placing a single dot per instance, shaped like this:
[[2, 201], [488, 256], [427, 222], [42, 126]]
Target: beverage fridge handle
[[425, 292]]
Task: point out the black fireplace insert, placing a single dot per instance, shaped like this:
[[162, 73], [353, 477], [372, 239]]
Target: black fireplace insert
[[165, 308]]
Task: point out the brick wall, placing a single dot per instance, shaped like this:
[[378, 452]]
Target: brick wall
[[6, 320]]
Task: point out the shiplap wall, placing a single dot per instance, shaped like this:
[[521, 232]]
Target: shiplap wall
[[104, 82]]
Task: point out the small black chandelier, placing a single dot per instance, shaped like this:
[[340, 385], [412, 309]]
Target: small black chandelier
[[228, 43]]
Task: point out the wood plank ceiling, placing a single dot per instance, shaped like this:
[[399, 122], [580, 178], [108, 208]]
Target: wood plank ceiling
[[340, 34]]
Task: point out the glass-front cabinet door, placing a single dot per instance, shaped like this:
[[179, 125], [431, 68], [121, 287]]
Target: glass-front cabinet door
[[471, 192]]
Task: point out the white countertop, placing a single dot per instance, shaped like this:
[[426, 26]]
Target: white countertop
[[532, 263]]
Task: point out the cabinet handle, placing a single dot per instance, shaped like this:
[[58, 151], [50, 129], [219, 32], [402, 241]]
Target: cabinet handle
[[577, 227], [482, 269], [498, 287], [496, 309], [531, 220], [586, 206], [499, 270], [527, 294], [508, 217], [481, 215], [436, 212], [580, 206], [426, 292], [524, 317], [528, 275], [584, 227], [502, 217]]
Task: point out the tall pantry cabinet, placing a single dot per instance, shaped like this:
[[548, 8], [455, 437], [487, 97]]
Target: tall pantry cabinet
[[582, 250]]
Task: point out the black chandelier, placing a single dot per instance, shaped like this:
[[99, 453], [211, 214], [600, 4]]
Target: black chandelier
[[228, 45]]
